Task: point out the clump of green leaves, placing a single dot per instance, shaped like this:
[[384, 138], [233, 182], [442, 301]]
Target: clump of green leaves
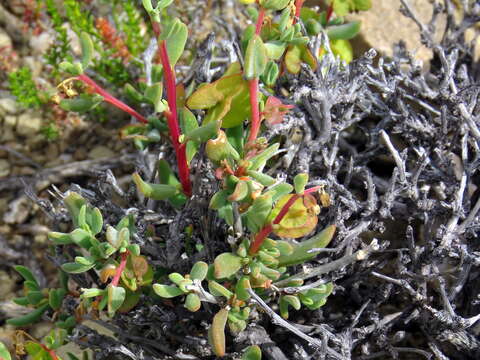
[[41, 300], [115, 257], [21, 85], [265, 213]]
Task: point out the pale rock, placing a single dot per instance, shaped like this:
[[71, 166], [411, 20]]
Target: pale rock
[[6, 134], [383, 26], [4, 168], [5, 41], [7, 285], [39, 330], [29, 124], [73, 40], [41, 43], [99, 152], [471, 36], [34, 65], [18, 211], [8, 106], [10, 121]]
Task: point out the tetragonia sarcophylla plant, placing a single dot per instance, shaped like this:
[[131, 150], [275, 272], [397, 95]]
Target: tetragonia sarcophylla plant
[[234, 111]]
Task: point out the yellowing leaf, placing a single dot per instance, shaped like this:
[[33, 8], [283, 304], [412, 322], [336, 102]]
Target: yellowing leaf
[[226, 265], [300, 219], [227, 99], [217, 332], [294, 57]]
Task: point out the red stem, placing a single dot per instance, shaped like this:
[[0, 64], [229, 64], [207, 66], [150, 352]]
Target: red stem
[[253, 87], [120, 268], [298, 8], [267, 229], [172, 120], [255, 128], [261, 17], [50, 352], [110, 99], [329, 11]]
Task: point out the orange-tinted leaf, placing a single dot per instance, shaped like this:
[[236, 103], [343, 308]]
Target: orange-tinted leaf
[[139, 266], [300, 219], [217, 332]]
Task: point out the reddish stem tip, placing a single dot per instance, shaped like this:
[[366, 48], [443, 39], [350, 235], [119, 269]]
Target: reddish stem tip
[[267, 229], [120, 268], [110, 98]]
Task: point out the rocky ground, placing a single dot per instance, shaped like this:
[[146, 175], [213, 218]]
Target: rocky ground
[[29, 161]]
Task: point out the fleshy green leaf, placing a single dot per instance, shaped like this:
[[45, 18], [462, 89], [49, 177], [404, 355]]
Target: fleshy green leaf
[[362, 5], [219, 149], [4, 353], [274, 4], [217, 332], [29, 318], [55, 298], [74, 203], [341, 7], [93, 292], [344, 32], [256, 216], [188, 123], [342, 48], [300, 219], [240, 192], [23, 301], [154, 191], [116, 296], [87, 49], [199, 271], [167, 177], [59, 238], [34, 297], [226, 265], [26, 273], [255, 58], [96, 221], [252, 353], [279, 190], [153, 94], [241, 288], [262, 178], [73, 69], [192, 302], [219, 290], [204, 132], [286, 301], [82, 103], [300, 181], [259, 161], [167, 291], [76, 268], [175, 34], [301, 252]]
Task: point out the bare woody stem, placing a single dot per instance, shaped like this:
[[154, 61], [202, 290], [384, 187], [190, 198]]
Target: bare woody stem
[[110, 98], [253, 88], [267, 229]]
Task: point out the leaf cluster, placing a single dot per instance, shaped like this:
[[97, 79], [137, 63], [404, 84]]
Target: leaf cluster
[[21, 85]]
